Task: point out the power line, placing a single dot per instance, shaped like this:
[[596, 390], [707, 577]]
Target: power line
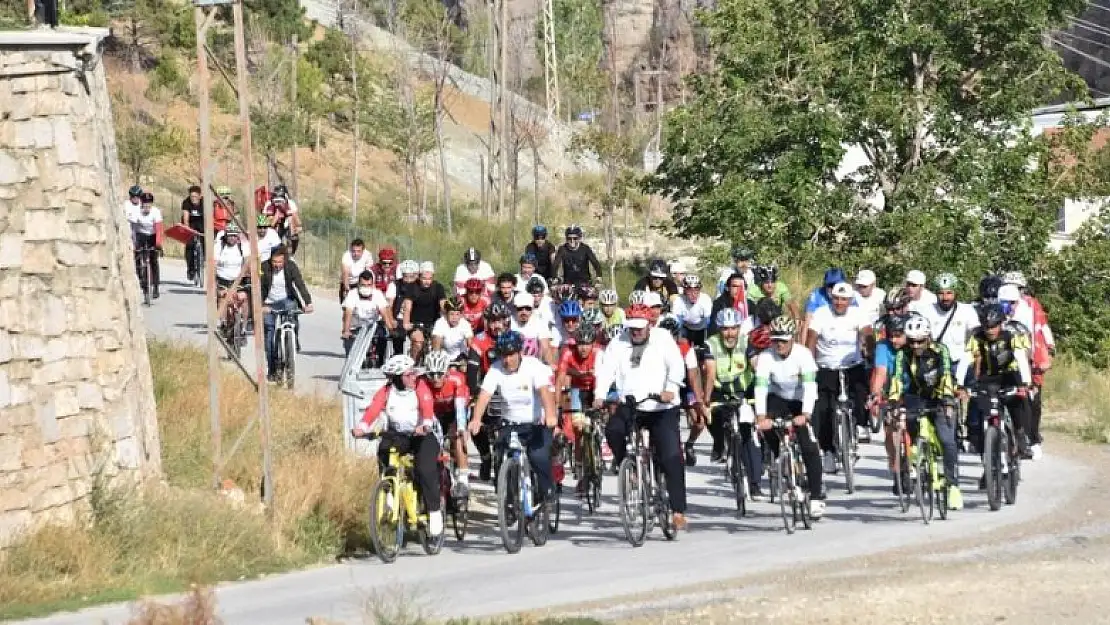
[[1098, 6], [1090, 27], [1081, 53], [1090, 41]]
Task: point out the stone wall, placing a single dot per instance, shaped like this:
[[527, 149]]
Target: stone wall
[[76, 397]]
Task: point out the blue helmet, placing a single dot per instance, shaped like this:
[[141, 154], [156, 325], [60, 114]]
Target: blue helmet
[[570, 308], [509, 342], [834, 275], [528, 258], [728, 318], [539, 231]]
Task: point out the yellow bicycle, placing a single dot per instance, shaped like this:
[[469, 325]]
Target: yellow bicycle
[[396, 510]]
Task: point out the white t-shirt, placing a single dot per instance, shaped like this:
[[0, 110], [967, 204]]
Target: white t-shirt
[[520, 390], [694, 316], [536, 328], [229, 259], [484, 273], [454, 338], [838, 336], [964, 321], [269, 242], [144, 224], [278, 291], [364, 311], [873, 305], [923, 303], [356, 267]]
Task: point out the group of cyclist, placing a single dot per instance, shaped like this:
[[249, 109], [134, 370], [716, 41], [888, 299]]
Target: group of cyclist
[[532, 350]]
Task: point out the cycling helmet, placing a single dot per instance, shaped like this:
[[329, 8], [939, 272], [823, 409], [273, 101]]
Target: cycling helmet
[[761, 275], [670, 324], [147, 197], [409, 266], [728, 318], [988, 287], [387, 253], [895, 324], [585, 334], [608, 297], [593, 317], [534, 286], [657, 268], [471, 255], [760, 339], [135, 191], [1009, 293], [783, 328], [437, 361], [498, 310], [509, 343], [636, 297], [573, 230], [232, 230], [691, 281], [1016, 278], [263, 221], [474, 285], [539, 231], [613, 332], [566, 292], [223, 191], [570, 309], [946, 282], [767, 309], [528, 258], [897, 298], [917, 328], [554, 281], [587, 292], [991, 316], [453, 304], [281, 191], [834, 275], [740, 252], [398, 365]]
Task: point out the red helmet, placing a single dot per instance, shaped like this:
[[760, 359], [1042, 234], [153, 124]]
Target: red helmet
[[474, 285], [387, 253], [637, 311]]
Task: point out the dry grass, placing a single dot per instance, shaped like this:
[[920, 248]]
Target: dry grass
[[1075, 396], [165, 537]]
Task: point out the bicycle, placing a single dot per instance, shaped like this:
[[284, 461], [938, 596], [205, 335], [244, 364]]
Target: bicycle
[[145, 268], [845, 437], [395, 509], [736, 469], [198, 262], [642, 485], [561, 450], [234, 325], [1001, 455], [589, 467], [517, 512], [456, 501], [788, 471], [930, 484], [285, 342], [902, 445]]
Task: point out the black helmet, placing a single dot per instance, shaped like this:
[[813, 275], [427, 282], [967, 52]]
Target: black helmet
[[498, 310], [988, 287], [585, 334], [767, 309], [135, 191], [896, 323], [587, 292], [146, 197], [657, 268], [573, 230], [281, 191], [539, 231], [534, 286], [472, 255], [739, 252], [991, 316], [510, 343], [670, 324]]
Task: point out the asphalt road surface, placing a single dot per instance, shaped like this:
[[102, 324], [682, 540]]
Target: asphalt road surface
[[589, 558]]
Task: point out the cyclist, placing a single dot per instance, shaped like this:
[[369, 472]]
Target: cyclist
[[570, 318], [641, 363], [868, 296], [691, 394], [894, 339], [408, 404], [268, 239], [482, 354], [733, 297], [474, 267], [451, 332], [354, 261], [759, 336], [424, 304], [534, 331], [655, 307], [836, 336], [896, 305], [452, 397], [820, 298], [543, 251], [475, 300], [384, 270], [404, 288], [1043, 352], [507, 288], [366, 305], [693, 309], [677, 270], [766, 278], [192, 215], [727, 380], [528, 270], [592, 317], [952, 322], [742, 259], [230, 256], [610, 308], [574, 259], [281, 211], [575, 382], [657, 281], [786, 386], [223, 210], [922, 375], [283, 289], [134, 198], [587, 294], [527, 387], [999, 352], [147, 230]]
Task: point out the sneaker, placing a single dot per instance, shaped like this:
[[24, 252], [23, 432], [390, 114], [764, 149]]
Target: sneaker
[[717, 457], [1035, 452], [435, 523], [863, 434], [817, 508], [955, 498], [756, 494], [691, 456], [461, 485], [830, 462]]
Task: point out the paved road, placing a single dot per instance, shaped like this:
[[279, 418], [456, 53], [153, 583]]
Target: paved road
[[589, 559]]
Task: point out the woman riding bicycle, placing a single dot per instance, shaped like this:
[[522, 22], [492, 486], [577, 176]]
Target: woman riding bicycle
[[409, 406]]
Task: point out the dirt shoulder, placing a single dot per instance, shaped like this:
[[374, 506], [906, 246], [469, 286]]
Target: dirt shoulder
[[1055, 569]]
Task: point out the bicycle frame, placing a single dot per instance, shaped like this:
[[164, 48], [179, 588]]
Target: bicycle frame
[[285, 325], [399, 469], [515, 451]]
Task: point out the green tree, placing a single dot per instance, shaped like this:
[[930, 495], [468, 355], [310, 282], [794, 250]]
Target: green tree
[[578, 51], [143, 141], [280, 19], [1074, 286], [934, 98]]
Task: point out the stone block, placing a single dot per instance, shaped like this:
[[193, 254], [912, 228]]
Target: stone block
[[47, 416], [129, 454], [22, 134], [64, 142], [49, 373], [28, 347], [45, 225], [21, 398], [5, 346], [11, 452], [13, 525], [53, 311], [38, 257], [23, 84], [65, 404], [60, 178], [86, 232], [5, 390], [76, 428], [10, 318], [11, 250], [35, 456], [52, 498], [13, 499], [90, 396], [11, 171], [78, 369], [20, 369], [56, 349], [31, 166], [9, 284], [74, 255]]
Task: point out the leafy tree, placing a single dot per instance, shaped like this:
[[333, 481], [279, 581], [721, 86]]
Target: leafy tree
[[143, 141], [401, 119], [281, 19], [934, 95], [1074, 286], [578, 50]]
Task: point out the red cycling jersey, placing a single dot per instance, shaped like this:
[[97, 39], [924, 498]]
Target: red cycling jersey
[[474, 314], [454, 387], [580, 370], [483, 345]]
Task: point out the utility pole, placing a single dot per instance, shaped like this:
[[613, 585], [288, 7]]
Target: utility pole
[[550, 60], [293, 103], [352, 33], [503, 101], [494, 171]]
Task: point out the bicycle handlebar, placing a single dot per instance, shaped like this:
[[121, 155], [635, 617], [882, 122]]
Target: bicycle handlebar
[[1002, 392], [632, 402]]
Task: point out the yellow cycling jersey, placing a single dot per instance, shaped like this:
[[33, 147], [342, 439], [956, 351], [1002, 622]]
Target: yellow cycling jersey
[[928, 375], [997, 357]]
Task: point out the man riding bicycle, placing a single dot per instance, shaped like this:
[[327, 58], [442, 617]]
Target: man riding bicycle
[[922, 376], [786, 388], [230, 256], [727, 380], [640, 364], [576, 381], [283, 289], [147, 229], [452, 397], [409, 406], [192, 215]]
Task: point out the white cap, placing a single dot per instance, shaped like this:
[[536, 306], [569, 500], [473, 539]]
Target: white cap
[[842, 289], [636, 322], [1009, 293], [915, 277], [676, 266], [865, 277], [651, 298], [427, 267], [523, 299]]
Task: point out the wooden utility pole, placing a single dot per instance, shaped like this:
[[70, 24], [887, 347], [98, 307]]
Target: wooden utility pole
[[293, 103], [357, 105], [503, 100]]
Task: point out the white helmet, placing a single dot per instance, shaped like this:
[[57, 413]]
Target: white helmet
[[398, 365], [608, 297], [1016, 278], [917, 328], [1009, 293], [437, 361], [636, 297], [409, 266]]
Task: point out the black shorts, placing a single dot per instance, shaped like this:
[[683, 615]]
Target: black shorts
[[446, 421]]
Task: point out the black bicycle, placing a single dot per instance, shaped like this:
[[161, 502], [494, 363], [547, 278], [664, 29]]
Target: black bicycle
[[197, 259], [1001, 452], [788, 471], [736, 462], [845, 437], [144, 265], [589, 466], [642, 485]]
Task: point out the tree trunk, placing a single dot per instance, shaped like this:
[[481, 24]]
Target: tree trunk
[[535, 183], [516, 190], [354, 176], [443, 174]]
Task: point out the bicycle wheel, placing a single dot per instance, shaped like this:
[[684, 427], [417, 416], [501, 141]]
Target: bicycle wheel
[[940, 479], [663, 506], [591, 473], [844, 448], [737, 474], [147, 281], [788, 495], [289, 358], [923, 486], [801, 481], [539, 526], [1013, 469], [385, 520], [900, 463], [510, 516], [633, 519], [432, 544], [198, 265], [772, 479], [992, 466]]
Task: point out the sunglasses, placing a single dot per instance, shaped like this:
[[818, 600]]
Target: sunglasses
[[573, 238], [524, 309], [435, 376], [918, 343]]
